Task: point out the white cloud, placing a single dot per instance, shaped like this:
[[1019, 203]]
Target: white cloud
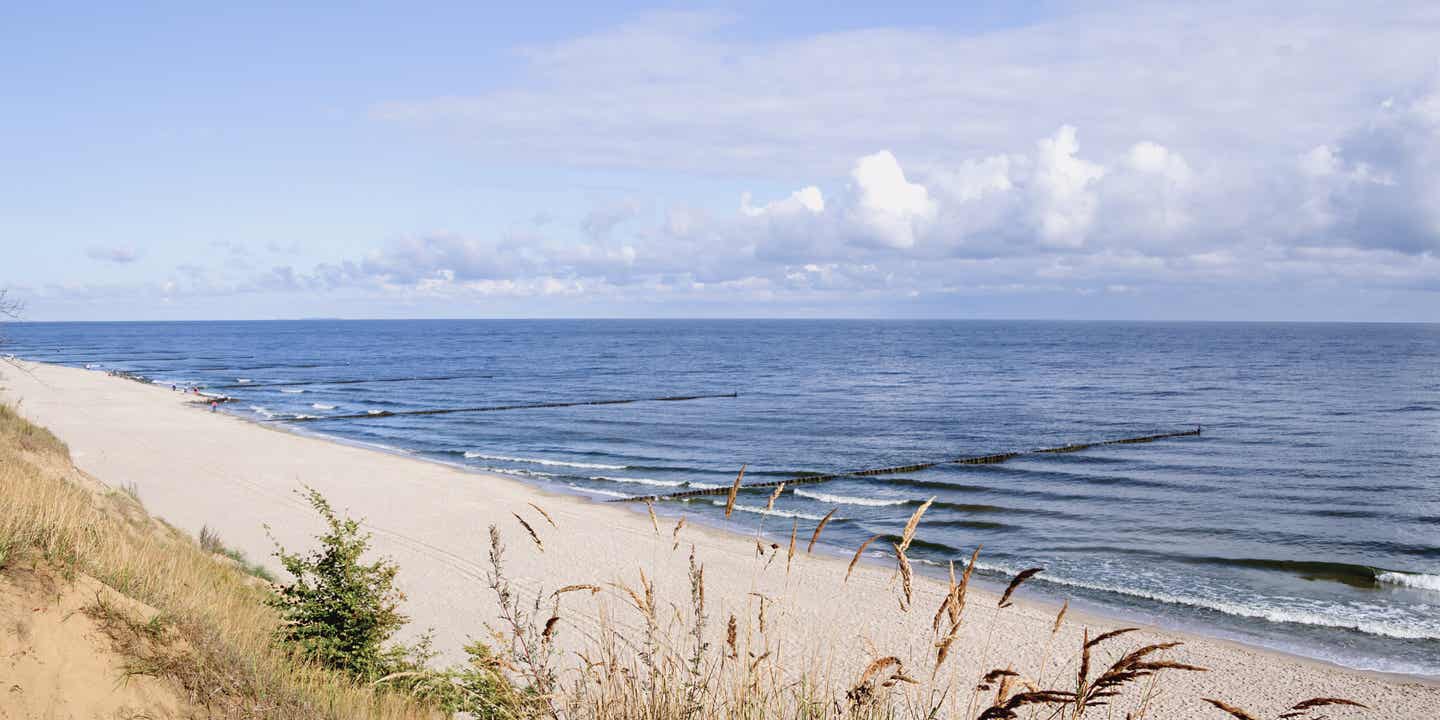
[[1376, 185], [889, 208], [695, 92], [808, 198], [1156, 159], [1064, 189], [1320, 162], [973, 180]]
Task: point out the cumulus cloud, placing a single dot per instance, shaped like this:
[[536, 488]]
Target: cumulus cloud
[[1376, 186], [1050, 219], [889, 208], [118, 254], [809, 199], [1063, 186]]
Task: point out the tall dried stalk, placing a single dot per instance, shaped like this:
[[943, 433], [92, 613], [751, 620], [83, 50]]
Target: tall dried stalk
[[818, 529], [770, 505], [535, 653], [790, 555], [858, 552], [695, 682], [913, 523], [734, 492]]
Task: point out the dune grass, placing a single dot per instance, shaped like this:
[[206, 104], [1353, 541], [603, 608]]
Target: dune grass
[[210, 542], [223, 657]]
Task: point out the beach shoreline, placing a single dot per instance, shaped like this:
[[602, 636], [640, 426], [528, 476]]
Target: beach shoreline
[[1080, 610], [197, 468]]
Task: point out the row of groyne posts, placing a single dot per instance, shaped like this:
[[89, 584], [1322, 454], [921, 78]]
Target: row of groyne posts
[[990, 459], [801, 479]]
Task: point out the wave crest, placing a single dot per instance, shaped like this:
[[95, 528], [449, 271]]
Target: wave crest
[[638, 481], [1410, 580], [760, 510], [542, 461], [847, 500]]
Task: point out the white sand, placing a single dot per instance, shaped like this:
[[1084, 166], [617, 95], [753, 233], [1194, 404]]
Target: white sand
[[196, 468]]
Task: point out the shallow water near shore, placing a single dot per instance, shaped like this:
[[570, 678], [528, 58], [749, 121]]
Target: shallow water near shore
[[1306, 517]]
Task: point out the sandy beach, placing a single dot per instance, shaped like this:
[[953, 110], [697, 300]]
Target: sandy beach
[[193, 468]]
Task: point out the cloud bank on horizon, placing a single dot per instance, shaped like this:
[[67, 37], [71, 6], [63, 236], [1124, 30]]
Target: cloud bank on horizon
[[1189, 162]]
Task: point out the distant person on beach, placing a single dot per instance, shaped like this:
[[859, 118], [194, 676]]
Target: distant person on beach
[[213, 405]]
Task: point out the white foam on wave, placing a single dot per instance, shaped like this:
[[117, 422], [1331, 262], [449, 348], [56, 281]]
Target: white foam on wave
[[258, 410], [606, 493], [303, 416], [1410, 580], [543, 461], [322, 406], [519, 472], [1296, 616], [639, 481], [760, 510], [242, 380], [847, 500], [373, 412], [292, 391]]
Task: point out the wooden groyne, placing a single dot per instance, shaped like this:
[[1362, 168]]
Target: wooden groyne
[[496, 408], [1121, 441], [991, 459], [356, 381]]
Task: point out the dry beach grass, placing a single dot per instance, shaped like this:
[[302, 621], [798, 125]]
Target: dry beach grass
[[53, 519]]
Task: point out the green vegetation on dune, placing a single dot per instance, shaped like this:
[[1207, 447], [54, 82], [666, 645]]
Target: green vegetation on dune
[[216, 646]]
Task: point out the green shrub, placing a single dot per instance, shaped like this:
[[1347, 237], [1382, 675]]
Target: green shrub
[[338, 610]]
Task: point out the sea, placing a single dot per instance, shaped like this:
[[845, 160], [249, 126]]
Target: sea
[[1305, 517]]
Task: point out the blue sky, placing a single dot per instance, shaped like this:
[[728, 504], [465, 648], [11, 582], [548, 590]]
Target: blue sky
[[1055, 160]]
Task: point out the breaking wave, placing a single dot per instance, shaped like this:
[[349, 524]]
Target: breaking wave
[[519, 472], [542, 461], [847, 500], [1410, 580], [760, 510], [639, 481]]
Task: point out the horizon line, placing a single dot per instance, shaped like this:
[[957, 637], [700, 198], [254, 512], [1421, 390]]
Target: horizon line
[[739, 318]]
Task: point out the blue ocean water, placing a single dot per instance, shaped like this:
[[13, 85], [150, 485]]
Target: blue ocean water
[[1305, 518]]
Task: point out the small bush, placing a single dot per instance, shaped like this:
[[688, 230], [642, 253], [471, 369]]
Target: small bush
[[338, 610]]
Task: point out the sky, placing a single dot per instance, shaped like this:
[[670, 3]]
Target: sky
[[1088, 161]]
